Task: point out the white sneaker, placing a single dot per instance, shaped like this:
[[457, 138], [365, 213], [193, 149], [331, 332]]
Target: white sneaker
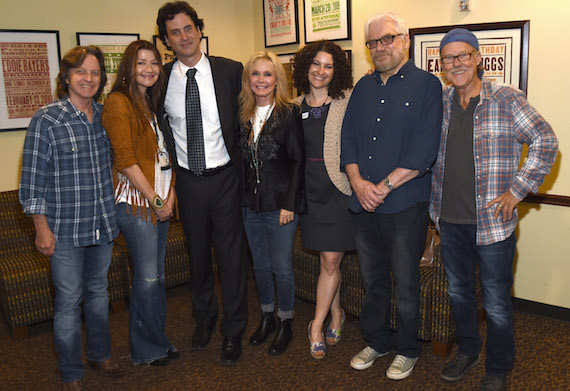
[[365, 358], [401, 367]]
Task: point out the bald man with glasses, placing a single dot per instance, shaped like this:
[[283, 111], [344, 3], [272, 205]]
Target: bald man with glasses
[[389, 143]]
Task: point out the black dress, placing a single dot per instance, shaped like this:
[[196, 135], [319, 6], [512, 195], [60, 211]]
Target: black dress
[[327, 226]]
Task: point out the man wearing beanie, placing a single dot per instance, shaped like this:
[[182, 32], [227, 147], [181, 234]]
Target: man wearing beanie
[[476, 186]]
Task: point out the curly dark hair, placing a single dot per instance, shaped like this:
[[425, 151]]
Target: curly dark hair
[[342, 77], [169, 10]]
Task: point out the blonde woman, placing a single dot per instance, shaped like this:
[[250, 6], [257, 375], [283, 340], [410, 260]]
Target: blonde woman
[[273, 195]]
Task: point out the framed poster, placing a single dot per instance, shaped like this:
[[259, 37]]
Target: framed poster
[[280, 22], [113, 46], [503, 47], [285, 59], [168, 55], [30, 65], [327, 19]]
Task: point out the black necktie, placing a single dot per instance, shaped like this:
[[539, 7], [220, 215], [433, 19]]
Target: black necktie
[[194, 133]]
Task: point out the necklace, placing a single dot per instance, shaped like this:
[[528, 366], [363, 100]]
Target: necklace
[[256, 164], [317, 112]]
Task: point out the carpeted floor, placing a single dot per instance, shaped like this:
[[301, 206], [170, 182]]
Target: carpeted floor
[[542, 361]]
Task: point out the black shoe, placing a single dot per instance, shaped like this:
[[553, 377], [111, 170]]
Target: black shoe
[[231, 350], [173, 354], [456, 368], [282, 339], [266, 327], [160, 362], [201, 337]]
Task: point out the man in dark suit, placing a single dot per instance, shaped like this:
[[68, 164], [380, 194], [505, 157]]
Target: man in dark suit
[[200, 124]]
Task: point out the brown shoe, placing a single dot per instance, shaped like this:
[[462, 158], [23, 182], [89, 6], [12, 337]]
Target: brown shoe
[[108, 367], [73, 386]]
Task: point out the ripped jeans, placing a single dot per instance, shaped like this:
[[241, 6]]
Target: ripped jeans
[[147, 308]]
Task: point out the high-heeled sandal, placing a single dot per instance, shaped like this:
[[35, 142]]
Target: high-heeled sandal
[[333, 336], [318, 349]]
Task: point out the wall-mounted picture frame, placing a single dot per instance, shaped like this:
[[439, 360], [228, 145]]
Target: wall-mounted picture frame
[[30, 65], [503, 47], [113, 46], [280, 22], [327, 19], [285, 59], [168, 55], [348, 53]]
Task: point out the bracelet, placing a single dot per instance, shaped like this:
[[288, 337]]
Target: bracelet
[[388, 184], [157, 202]]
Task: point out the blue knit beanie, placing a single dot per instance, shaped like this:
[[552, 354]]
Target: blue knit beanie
[[459, 35]]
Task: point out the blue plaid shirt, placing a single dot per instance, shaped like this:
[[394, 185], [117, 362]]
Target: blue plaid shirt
[[66, 174], [503, 121]]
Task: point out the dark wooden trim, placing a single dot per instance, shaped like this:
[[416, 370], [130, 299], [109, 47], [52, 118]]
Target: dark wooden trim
[[550, 199], [541, 309]]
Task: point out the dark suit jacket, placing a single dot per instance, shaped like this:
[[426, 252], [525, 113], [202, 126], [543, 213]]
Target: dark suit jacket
[[227, 83]]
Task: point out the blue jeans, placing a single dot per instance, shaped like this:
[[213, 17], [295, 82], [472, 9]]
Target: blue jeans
[[271, 246], [80, 274], [461, 254], [391, 244], [147, 308]]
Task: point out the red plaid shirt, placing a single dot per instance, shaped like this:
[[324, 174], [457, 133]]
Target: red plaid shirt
[[503, 121]]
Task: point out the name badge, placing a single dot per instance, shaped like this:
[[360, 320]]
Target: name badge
[[305, 115]]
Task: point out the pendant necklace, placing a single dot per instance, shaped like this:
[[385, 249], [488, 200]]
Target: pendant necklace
[[256, 164], [317, 112]]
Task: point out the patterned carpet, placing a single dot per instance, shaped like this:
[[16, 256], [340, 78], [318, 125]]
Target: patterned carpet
[[542, 361]]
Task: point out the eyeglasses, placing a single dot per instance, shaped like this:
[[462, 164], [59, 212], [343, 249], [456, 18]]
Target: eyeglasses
[[463, 57], [385, 40]]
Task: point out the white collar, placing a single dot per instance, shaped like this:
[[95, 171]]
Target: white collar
[[202, 67]]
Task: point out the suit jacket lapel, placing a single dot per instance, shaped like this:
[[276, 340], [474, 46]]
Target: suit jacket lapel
[[163, 120], [219, 88]]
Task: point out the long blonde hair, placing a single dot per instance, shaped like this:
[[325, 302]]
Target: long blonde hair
[[283, 101]]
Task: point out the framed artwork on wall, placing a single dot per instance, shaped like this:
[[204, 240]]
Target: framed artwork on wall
[[503, 47], [327, 19], [285, 59], [113, 46], [30, 64], [280, 22], [168, 55]]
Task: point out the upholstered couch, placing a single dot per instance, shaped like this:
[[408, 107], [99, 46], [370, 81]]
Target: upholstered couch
[[436, 324], [26, 291]]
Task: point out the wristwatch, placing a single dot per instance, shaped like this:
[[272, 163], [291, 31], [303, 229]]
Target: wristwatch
[[388, 184], [157, 202]]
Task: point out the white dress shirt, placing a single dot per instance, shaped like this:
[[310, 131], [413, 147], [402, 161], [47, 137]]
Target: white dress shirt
[[175, 106]]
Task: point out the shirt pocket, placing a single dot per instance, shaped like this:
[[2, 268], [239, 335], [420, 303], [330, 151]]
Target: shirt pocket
[[67, 141]]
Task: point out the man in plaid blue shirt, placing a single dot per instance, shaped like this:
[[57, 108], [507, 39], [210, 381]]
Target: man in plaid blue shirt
[[67, 187], [476, 186]]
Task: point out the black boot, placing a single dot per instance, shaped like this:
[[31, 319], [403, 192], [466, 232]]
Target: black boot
[[266, 327], [282, 339]]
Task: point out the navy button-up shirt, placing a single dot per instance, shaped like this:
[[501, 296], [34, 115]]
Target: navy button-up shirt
[[397, 124], [66, 174]]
